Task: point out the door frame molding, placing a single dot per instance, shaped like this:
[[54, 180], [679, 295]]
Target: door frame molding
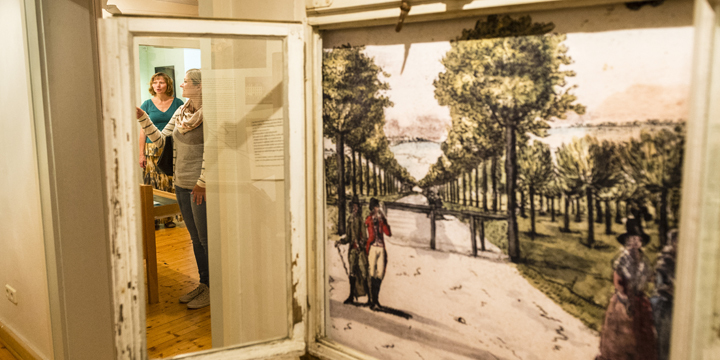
[[120, 150]]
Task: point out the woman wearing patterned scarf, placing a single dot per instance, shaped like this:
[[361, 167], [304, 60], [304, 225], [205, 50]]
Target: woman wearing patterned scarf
[[186, 129]]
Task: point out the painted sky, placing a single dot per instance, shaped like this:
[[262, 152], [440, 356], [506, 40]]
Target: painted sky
[[622, 76]]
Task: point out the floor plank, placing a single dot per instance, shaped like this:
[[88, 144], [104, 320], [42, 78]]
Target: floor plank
[[5, 353], [172, 328]]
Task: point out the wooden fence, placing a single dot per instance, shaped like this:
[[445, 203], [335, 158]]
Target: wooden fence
[[475, 217]]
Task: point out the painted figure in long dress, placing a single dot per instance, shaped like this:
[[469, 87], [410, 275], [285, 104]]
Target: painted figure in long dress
[[628, 332]]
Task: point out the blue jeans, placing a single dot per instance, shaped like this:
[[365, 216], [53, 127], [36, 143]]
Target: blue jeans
[[195, 217]]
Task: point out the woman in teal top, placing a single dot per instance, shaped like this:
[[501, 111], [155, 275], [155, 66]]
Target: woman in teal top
[[160, 108]]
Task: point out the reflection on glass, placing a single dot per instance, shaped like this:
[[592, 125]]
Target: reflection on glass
[[229, 139]]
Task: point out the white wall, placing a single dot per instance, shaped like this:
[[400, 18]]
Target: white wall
[[182, 58], [22, 264]]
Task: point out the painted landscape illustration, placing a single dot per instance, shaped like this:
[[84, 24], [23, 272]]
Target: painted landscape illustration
[[509, 194]]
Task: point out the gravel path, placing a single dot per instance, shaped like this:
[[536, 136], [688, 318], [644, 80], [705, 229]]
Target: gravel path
[[461, 307]]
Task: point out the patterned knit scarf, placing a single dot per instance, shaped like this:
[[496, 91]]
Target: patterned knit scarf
[[190, 118]]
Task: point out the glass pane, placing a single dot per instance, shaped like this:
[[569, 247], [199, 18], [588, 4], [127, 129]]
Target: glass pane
[[236, 85]]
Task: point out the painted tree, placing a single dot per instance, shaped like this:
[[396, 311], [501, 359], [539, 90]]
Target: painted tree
[[464, 147], [655, 163], [353, 100], [553, 190], [570, 188], [585, 161], [331, 174], [536, 168], [608, 190], [507, 71]]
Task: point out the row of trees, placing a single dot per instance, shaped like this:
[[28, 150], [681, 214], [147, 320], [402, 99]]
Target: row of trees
[[363, 177], [503, 82], [587, 175], [646, 168], [353, 115]]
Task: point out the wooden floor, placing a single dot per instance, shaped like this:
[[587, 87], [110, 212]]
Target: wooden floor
[[5, 353], [172, 328]]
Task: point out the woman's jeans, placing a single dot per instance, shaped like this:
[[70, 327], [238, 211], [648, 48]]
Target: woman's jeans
[[195, 217]]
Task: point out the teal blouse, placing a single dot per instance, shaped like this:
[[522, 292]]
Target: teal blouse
[[159, 118]]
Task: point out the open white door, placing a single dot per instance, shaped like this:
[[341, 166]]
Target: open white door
[[254, 150]]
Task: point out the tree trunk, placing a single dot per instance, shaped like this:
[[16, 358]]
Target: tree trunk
[[454, 192], [599, 216], [456, 183], [477, 187], [463, 177], [532, 212], [367, 176], [511, 175], [384, 182], [566, 217], [522, 204], [360, 174], [618, 215], [340, 149], [542, 205], [493, 179], [577, 210], [663, 225], [552, 208], [353, 178], [375, 180], [591, 225], [484, 186], [608, 218], [451, 189]]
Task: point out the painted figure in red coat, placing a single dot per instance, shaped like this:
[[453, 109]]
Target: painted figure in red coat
[[377, 228]]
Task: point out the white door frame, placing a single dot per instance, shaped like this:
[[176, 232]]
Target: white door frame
[[120, 146]]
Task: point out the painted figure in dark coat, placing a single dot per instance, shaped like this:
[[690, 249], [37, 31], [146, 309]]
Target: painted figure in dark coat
[[357, 258]]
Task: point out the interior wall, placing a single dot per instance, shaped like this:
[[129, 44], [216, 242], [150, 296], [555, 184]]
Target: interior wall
[[150, 57], [21, 240], [69, 132]]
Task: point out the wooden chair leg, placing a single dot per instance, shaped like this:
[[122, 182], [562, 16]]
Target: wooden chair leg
[[148, 232]]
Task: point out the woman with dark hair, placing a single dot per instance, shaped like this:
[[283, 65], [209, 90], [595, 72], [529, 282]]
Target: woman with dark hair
[[186, 129], [160, 108]]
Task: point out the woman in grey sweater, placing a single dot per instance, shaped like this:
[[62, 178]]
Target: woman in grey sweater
[[186, 128]]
